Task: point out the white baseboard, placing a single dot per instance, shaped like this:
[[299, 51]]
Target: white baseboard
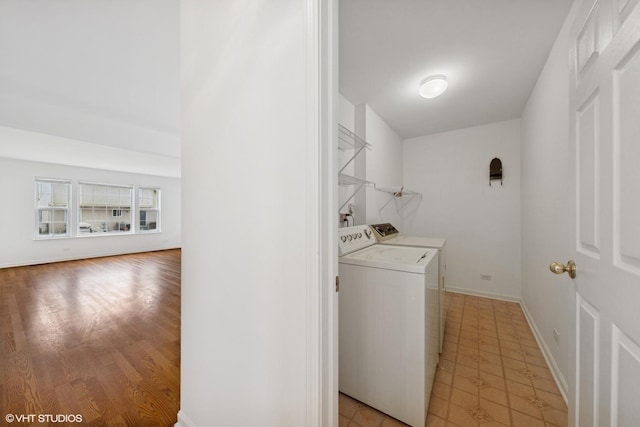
[[465, 291], [548, 357], [183, 420], [50, 260]]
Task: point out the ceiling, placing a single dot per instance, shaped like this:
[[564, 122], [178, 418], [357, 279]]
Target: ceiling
[[102, 71], [108, 72], [492, 52]]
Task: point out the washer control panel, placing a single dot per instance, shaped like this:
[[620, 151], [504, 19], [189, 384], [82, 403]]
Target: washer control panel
[[384, 231], [351, 239]]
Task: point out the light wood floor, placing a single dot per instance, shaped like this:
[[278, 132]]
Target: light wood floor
[[99, 338]]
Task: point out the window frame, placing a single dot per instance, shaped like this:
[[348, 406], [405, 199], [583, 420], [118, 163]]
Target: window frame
[[140, 209], [38, 209]]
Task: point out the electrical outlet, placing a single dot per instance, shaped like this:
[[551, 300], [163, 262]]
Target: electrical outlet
[[485, 277], [556, 335]]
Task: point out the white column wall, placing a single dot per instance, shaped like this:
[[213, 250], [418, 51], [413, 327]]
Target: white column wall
[[248, 158], [384, 167], [346, 113]]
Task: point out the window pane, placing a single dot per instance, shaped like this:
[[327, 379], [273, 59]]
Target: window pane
[[60, 196], [104, 209], [43, 194], [149, 203], [52, 203], [99, 195], [44, 219], [148, 220]]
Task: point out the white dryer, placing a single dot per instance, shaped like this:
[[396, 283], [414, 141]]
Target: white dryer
[[388, 325], [387, 234]]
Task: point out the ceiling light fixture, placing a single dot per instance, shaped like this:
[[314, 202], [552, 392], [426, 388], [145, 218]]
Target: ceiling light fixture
[[433, 86]]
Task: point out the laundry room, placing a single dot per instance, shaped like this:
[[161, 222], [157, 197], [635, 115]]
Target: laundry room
[[447, 167], [451, 199]]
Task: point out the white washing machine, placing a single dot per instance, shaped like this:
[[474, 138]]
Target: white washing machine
[[387, 234], [388, 325]]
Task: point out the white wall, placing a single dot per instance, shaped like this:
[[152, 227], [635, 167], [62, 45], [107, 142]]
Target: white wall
[[248, 140], [346, 113], [17, 216], [481, 223], [545, 207]]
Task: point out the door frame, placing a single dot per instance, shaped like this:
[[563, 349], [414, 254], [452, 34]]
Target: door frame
[[322, 325]]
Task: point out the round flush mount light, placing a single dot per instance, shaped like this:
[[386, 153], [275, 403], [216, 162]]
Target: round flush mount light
[[433, 86]]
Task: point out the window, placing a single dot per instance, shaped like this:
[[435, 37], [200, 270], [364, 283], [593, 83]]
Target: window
[[149, 209], [104, 209], [52, 208], [101, 209]]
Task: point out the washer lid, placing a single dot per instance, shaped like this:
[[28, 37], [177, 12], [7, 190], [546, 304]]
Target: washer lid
[[399, 258]]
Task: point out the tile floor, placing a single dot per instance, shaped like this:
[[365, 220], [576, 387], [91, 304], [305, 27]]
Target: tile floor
[[491, 374]]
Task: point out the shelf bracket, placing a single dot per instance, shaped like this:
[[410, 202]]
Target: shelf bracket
[[352, 157], [351, 197]]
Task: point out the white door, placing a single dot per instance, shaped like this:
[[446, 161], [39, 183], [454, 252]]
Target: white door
[[605, 141]]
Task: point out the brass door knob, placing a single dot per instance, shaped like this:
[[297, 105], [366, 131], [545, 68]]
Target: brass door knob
[[559, 268]]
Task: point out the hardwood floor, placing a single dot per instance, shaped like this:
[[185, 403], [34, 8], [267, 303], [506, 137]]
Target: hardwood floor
[[97, 338]]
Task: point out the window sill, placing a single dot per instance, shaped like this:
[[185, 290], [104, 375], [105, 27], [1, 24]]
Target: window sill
[[61, 237], [97, 234]]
